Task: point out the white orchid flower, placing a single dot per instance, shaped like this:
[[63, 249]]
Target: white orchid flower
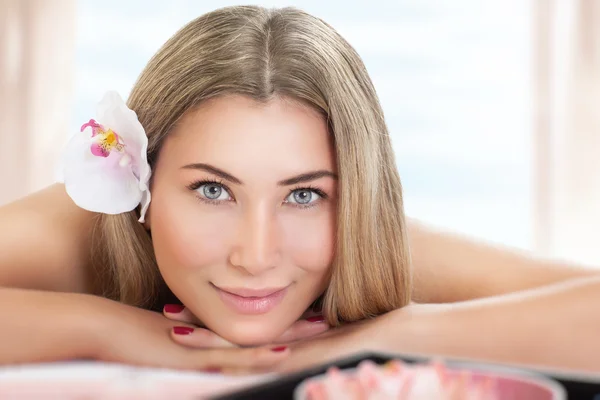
[[105, 166]]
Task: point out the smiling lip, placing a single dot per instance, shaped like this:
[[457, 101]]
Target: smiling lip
[[250, 301]]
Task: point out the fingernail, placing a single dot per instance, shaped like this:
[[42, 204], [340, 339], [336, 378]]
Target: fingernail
[[279, 349], [182, 330], [173, 308], [316, 318]]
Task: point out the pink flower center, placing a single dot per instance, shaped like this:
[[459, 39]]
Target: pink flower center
[[105, 141]]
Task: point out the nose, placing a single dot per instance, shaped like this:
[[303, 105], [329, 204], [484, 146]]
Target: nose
[[257, 247]]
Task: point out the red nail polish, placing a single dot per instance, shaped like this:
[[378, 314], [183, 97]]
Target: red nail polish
[[316, 318], [182, 330], [279, 349], [173, 308]]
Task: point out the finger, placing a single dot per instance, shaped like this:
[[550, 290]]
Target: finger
[[180, 313], [236, 360], [198, 338], [303, 329]]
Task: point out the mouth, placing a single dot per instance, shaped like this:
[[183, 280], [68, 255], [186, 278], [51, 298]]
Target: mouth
[[251, 301]]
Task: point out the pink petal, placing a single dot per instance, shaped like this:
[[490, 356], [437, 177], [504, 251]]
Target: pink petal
[[93, 124], [99, 151]]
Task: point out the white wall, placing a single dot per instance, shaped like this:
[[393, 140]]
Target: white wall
[[37, 41]]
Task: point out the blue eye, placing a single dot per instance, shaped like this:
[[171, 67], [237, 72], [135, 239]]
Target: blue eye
[[213, 191], [210, 191], [303, 197], [216, 193]]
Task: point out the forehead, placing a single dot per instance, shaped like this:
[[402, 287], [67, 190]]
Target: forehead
[[240, 134]]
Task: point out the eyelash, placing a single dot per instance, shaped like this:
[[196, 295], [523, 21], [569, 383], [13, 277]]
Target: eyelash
[[196, 184]]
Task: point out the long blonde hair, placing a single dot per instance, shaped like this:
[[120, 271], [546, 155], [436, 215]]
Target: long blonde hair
[[262, 53]]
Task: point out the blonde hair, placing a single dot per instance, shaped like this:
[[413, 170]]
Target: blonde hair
[[264, 53]]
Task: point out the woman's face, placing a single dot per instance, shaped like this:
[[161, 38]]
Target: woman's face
[[243, 214]]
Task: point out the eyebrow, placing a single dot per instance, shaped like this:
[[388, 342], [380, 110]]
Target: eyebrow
[[305, 177]]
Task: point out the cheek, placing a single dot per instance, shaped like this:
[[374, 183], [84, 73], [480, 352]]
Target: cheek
[[186, 237], [309, 240]]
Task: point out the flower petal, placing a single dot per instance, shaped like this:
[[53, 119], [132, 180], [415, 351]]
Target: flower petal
[[107, 177], [96, 183], [113, 113], [98, 150], [146, 197]]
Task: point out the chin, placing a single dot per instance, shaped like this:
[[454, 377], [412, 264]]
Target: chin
[[253, 333]]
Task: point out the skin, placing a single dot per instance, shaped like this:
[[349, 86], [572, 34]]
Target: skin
[[473, 278], [245, 230], [554, 327], [276, 136]]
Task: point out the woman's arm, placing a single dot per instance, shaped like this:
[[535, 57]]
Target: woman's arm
[[451, 267], [554, 326], [40, 326]]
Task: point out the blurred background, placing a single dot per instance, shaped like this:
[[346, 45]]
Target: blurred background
[[493, 107]]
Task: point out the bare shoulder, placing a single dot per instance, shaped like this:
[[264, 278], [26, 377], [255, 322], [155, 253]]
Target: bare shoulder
[[450, 267], [45, 242]]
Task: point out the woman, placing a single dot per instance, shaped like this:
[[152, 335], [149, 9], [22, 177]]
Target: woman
[[273, 187]]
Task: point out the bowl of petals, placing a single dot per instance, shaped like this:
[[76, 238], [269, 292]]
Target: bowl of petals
[[396, 379], [413, 374]]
